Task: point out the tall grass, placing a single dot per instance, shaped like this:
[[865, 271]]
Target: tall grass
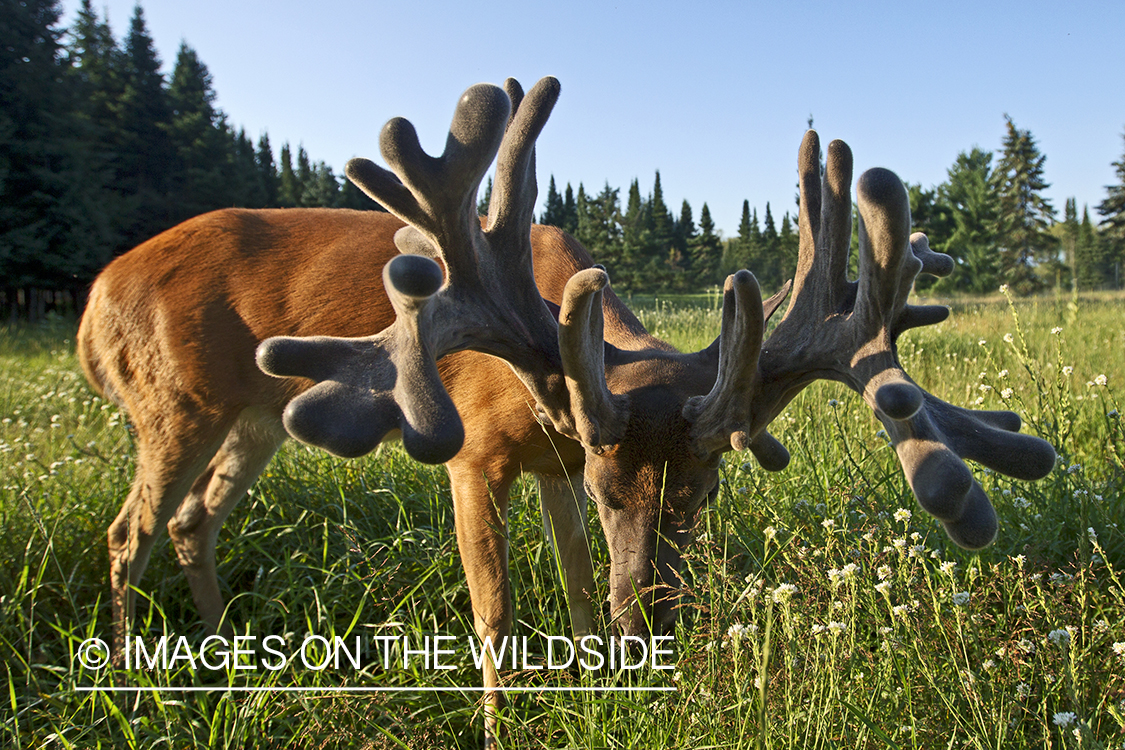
[[826, 610]]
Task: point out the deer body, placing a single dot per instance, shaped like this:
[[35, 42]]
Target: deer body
[[170, 334]]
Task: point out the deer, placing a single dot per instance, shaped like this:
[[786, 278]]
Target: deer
[[496, 346]]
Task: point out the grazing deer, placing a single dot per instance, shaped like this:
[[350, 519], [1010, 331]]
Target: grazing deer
[[575, 390]]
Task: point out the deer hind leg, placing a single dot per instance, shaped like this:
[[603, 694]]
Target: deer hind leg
[[563, 501], [166, 468], [481, 512], [194, 529]]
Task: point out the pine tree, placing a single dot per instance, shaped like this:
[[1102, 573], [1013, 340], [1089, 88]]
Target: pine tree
[[1112, 225], [288, 186], [553, 210], [1092, 268], [743, 249], [685, 230], [706, 251], [966, 217], [203, 178], [1023, 214], [54, 231], [602, 234], [146, 154], [321, 189], [769, 241], [570, 211], [1067, 232], [267, 170]]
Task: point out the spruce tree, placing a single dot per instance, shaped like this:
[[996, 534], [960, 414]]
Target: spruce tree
[[147, 157], [203, 178], [321, 189], [966, 213], [1023, 213], [1094, 269], [570, 211], [1112, 225], [267, 170], [770, 249], [288, 186], [706, 251], [553, 210], [54, 229]]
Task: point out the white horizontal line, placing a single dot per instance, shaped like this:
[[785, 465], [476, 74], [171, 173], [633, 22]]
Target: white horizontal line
[[248, 689]]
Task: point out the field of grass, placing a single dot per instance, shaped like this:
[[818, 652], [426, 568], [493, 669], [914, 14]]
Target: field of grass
[[826, 609]]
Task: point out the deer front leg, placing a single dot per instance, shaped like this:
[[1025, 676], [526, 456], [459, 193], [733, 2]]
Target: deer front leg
[[481, 512], [563, 502]]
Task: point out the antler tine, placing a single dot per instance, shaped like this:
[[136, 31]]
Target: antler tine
[[852, 338], [437, 195], [597, 418], [824, 224], [723, 420], [369, 386], [510, 210]]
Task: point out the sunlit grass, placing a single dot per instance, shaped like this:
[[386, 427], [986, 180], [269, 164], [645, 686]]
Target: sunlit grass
[[827, 610]]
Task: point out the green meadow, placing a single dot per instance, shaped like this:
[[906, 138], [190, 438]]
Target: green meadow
[[824, 608]]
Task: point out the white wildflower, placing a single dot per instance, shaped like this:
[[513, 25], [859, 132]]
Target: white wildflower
[[988, 665], [1060, 637], [837, 627], [1065, 718], [985, 388], [1091, 534], [1004, 373], [1003, 288], [1006, 393], [982, 342], [1068, 371], [948, 566], [1023, 690], [961, 598], [884, 572], [784, 592], [1101, 380], [883, 588], [902, 515], [1074, 468], [1119, 648], [1056, 330]]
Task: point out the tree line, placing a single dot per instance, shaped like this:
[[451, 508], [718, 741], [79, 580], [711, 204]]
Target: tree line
[[99, 151], [991, 217]]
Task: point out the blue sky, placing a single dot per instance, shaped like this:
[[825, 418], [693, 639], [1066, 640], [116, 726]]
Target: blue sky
[[714, 95]]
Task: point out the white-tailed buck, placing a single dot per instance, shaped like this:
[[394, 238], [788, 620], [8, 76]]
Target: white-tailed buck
[[575, 390]]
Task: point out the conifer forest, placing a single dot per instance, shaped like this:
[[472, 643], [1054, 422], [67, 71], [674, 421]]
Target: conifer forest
[[100, 150]]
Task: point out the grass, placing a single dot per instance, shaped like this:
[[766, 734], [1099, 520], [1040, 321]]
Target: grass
[[826, 609]]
